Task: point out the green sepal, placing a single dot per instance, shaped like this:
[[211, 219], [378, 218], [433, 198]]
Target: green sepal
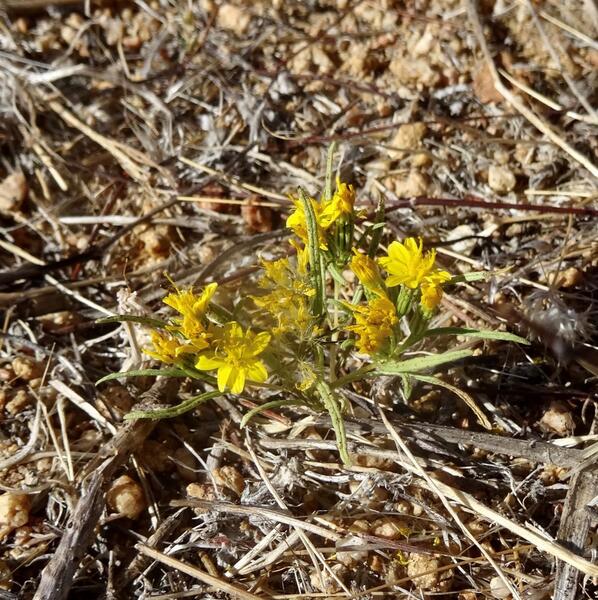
[[404, 301]]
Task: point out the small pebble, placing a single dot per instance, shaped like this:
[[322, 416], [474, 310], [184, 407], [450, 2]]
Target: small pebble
[[126, 497], [14, 512], [501, 179]]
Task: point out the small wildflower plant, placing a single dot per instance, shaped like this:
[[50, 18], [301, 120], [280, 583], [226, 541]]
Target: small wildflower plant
[[337, 310]]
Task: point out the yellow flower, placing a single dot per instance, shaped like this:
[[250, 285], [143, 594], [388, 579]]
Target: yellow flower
[[407, 264], [431, 288], [166, 348], [193, 308], [373, 324], [235, 357], [187, 303], [339, 205], [367, 272]]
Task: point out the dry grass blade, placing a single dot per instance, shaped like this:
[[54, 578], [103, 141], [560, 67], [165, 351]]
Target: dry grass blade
[[57, 576], [215, 582], [129, 158], [268, 513]]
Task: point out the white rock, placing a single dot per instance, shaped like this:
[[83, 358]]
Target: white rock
[[501, 179]]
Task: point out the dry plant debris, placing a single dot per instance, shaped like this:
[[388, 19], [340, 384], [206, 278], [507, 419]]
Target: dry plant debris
[[139, 138]]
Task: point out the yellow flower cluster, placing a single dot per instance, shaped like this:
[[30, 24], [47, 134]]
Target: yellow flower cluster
[[327, 212], [407, 264], [374, 324], [288, 293], [191, 340]]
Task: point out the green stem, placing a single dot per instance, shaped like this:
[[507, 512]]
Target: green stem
[[174, 411], [268, 406], [360, 373], [332, 406]]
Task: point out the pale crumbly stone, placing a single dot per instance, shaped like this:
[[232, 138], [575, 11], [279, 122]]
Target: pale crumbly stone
[[26, 368], [498, 589], [324, 581], [233, 18], [201, 491], [501, 179], [126, 497], [414, 184], [13, 191], [565, 279], [423, 570], [408, 137], [230, 478], [390, 528], [558, 419], [14, 512], [18, 402]]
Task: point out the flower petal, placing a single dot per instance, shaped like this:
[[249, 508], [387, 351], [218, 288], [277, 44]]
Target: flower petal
[[257, 372], [208, 363], [236, 380], [224, 375], [259, 343]]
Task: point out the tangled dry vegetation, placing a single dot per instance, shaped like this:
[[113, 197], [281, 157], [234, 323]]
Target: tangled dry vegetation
[[158, 136]]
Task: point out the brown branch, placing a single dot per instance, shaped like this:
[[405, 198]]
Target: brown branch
[[474, 202]]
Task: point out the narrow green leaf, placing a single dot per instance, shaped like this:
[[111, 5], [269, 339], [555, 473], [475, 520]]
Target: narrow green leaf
[[473, 276], [482, 418], [477, 333], [407, 386], [332, 405], [336, 274], [173, 411], [267, 406], [329, 166], [148, 321], [315, 259], [144, 373], [413, 365]]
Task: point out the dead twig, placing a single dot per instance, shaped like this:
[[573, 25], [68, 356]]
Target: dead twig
[[576, 520], [57, 576]]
